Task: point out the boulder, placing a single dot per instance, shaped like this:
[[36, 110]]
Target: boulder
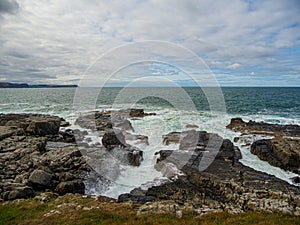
[[18, 192], [172, 137], [74, 186], [280, 152], [43, 127], [40, 178], [127, 155], [33, 124], [113, 138], [138, 138]]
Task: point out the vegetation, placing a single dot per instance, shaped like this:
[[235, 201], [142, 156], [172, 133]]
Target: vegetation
[[74, 209]]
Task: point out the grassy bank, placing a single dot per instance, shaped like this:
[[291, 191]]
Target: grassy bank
[[72, 209]]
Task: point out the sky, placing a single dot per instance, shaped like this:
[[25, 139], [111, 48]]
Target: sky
[[150, 42]]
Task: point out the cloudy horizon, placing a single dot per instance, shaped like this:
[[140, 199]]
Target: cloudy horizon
[[242, 42]]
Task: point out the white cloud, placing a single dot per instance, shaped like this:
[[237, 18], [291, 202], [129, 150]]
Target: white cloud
[[234, 66], [62, 38]]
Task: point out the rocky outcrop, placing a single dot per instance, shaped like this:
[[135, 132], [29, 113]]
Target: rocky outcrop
[[117, 119], [129, 113], [113, 138], [225, 185], [280, 152], [274, 143], [237, 124], [32, 124], [28, 167], [102, 121]]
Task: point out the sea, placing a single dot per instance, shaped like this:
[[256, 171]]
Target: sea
[[210, 109]]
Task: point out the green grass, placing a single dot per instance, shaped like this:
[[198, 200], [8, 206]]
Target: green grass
[[109, 213]]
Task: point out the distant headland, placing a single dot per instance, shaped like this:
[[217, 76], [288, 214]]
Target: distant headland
[[25, 85]]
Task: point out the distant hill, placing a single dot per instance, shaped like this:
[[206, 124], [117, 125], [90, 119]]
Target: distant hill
[[24, 85]]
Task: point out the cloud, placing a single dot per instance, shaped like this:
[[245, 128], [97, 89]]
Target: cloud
[[8, 6], [234, 66], [63, 38]]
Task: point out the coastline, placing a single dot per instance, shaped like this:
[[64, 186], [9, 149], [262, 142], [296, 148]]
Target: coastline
[[57, 160]]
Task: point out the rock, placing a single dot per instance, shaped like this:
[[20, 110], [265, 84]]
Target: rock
[[236, 139], [279, 152], [33, 124], [127, 113], [5, 132], [66, 136], [138, 138], [137, 199], [18, 192], [40, 178], [46, 196], [191, 126], [75, 186], [113, 138], [173, 137], [225, 185], [296, 180], [103, 121], [237, 124], [128, 155], [43, 127]]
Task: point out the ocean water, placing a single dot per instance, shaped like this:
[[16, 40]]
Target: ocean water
[[175, 108]]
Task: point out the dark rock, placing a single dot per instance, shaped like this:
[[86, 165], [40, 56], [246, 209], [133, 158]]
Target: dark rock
[[237, 124], [128, 155], [137, 199], [43, 127], [33, 124], [135, 156], [296, 180], [75, 186], [40, 178], [173, 137], [113, 138], [191, 126], [236, 139], [279, 152], [18, 192], [134, 137], [103, 121]]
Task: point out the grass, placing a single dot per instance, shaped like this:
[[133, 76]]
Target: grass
[[72, 211]]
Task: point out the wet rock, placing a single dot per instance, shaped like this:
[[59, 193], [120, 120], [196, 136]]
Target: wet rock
[[113, 138], [224, 185], [66, 136], [237, 124], [128, 155], [279, 152], [296, 180], [172, 137], [127, 113], [138, 138], [103, 121], [193, 126]]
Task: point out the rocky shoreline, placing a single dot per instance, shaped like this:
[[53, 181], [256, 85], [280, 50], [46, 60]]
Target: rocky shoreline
[[205, 175]]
